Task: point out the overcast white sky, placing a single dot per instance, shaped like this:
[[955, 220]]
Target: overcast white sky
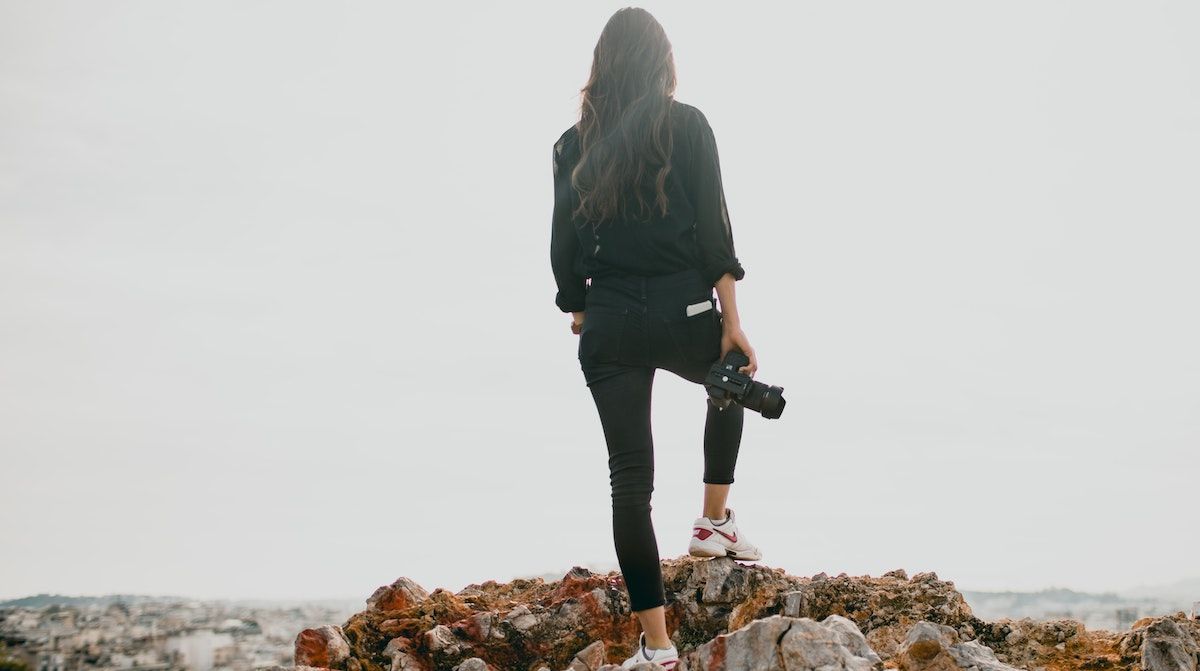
[[277, 318]]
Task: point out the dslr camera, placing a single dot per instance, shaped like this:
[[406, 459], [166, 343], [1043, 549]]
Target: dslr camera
[[725, 384]]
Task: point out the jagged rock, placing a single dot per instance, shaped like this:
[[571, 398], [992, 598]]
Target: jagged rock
[[851, 637], [781, 643], [1170, 643], [937, 647], [520, 618], [1168, 647], [325, 647], [402, 594], [589, 659], [474, 664], [1029, 643], [403, 655], [883, 608], [446, 646]]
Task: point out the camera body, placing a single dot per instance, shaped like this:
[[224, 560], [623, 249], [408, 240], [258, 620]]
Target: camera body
[[725, 384]]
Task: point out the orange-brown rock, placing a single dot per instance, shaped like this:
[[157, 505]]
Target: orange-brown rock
[[402, 594], [322, 647]]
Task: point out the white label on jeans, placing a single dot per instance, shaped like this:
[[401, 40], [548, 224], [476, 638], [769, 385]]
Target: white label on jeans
[[697, 308]]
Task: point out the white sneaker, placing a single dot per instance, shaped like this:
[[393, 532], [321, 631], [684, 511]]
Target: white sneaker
[[720, 540], [667, 659]]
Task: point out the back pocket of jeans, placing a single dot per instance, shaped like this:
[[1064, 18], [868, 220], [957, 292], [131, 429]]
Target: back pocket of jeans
[[698, 336], [601, 335]]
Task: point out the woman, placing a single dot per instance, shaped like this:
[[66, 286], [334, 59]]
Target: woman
[[640, 210]]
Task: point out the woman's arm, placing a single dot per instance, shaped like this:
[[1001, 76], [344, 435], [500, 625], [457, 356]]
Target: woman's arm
[[565, 254], [714, 234], [732, 334]]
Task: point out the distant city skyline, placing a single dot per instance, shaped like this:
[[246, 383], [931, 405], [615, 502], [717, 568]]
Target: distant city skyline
[[1110, 610], [157, 636], [1178, 590]]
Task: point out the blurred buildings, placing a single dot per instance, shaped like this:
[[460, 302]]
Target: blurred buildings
[[148, 635]]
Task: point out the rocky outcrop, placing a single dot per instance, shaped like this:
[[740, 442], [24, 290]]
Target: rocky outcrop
[[884, 608], [1161, 644], [725, 615]]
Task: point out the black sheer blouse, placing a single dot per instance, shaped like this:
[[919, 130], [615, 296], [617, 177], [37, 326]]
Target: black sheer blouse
[[694, 234]]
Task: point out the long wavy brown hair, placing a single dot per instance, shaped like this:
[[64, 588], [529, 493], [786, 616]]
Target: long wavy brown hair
[[624, 119]]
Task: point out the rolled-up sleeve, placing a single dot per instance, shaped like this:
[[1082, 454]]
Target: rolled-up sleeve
[[566, 257], [714, 235]]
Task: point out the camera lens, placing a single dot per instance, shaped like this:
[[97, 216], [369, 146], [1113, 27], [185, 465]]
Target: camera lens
[[773, 402], [765, 399]]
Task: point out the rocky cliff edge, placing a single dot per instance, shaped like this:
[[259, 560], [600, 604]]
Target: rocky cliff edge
[[725, 615]]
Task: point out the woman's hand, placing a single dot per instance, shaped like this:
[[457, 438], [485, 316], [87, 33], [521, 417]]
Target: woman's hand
[[733, 336], [576, 322]]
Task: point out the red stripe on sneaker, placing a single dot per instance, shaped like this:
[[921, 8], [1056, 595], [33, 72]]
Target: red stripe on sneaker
[[732, 539], [702, 533]]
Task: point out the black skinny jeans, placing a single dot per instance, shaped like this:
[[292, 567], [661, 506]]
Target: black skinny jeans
[[632, 326]]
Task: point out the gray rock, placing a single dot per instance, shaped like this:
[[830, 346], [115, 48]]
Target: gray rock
[[850, 636], [779, 643], [400, 651], [520, 618], [1168, 647], [441, 638], [931, 631], [793, 603], [977, 657], [935, 647], [446, 647], [722, 580]]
